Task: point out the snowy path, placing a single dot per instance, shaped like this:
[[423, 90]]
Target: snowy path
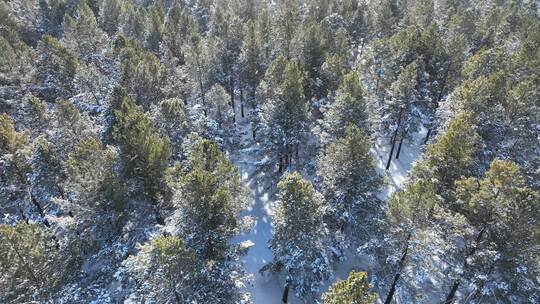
[[264, 289]]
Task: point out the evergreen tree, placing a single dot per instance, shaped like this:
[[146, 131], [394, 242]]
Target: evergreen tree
[[211, 198], [502, 209], [285, 115], [451, 156], [144, 151], [355, 289], [168, 269], [82, 34], [251, 60], [349, 108], [13, 150], [110, 16], [94, 187], [348, 179], [31, 266], [142, 75], [313, 56], [170, 117], [410, 213], [299, 238], [400, 110], [287, 19], [56, 68]]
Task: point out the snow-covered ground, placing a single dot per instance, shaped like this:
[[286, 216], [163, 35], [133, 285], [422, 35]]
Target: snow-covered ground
[[264, 289], [268, 289]]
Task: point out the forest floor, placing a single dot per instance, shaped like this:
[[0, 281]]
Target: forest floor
[[267, 288]]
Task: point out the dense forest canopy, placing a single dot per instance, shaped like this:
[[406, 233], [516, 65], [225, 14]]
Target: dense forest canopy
[[252, 151]]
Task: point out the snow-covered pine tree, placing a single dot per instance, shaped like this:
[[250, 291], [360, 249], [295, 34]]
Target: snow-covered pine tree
[[349, 182], [299, 240]]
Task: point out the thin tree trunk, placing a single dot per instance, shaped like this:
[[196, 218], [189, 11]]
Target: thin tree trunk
[[391, 150], [399, 146], [394, 137], [427, 136], [396, 277], [285, 297]]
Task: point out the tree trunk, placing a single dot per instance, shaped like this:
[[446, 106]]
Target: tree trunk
[[241, 102], [396, 277], [253, 132], [391, 150], [452, 293], [399, 146], [394, 137], [285, 297], [253, 94], [427, 136], [280, 165]]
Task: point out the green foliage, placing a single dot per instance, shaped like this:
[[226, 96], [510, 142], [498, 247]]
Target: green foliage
[[142, 75], [211, 196], [451, 156], [354, 290], [91, 177], [82, 34], [348, 177], [167, 269], [349, 108], [14, 148], [57, 66], [31, 268], [145, 152], [299, 236], [414, 206]]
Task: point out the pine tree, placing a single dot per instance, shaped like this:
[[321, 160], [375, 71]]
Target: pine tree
[[313, 56], [287, 19], [110, 14], [349, 108], [226, 38], [32, 268], [94, 187], [251, 60], [13, 150], [56, 68], [170, 117], [211, 198], [348, 179], [399, 111], [355, 289], [502, 209], [451, 156], [142, 75], [156, 27], [410, 212], [167, 270], [179, 25], [82, 34], [199, 68], [144, 151], [299, 238], [285, 115]]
